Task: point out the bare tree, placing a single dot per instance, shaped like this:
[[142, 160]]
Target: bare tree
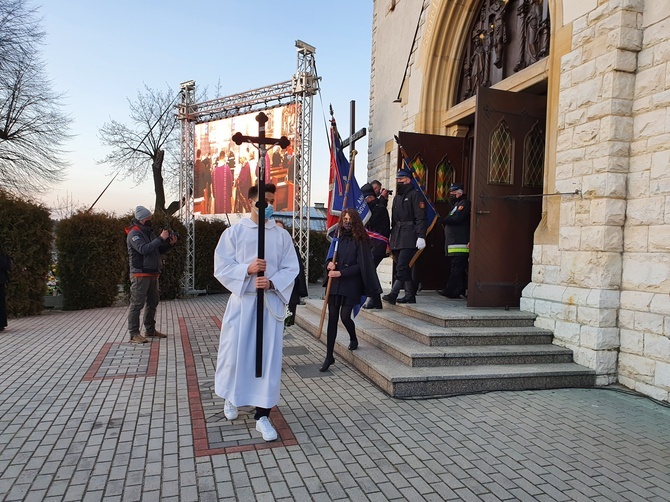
[[65, 207], [33, 126], [150, 142]]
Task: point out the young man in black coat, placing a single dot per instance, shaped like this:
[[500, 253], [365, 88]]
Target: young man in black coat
[[379, 230]]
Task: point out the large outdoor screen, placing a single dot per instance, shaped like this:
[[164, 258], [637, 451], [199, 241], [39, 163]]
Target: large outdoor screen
[[224, 171]]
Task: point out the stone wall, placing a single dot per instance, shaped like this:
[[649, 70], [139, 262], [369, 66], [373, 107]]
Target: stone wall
[[603, 288], [644, 361], [602, 284], [576, 282]]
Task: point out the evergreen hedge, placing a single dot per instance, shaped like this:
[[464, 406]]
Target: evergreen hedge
[[26, 233], [318, 250], [207, 234], [91, 256]]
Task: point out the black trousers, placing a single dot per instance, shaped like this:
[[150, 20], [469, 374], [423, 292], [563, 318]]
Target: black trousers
[[261, 412], [457, 283], [403, 257], [3, 306]]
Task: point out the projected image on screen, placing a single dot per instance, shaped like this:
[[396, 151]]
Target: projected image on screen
[[224, 171]]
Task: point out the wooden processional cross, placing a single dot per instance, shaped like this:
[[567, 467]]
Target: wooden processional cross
[[261, 141]]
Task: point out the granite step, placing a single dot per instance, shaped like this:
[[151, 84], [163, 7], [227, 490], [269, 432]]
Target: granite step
[[401, 381], [411, 356], [416, 354], [430, 334], [445, 312]]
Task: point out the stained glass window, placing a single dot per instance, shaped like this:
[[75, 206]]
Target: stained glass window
[[500, 151], [533, 157]]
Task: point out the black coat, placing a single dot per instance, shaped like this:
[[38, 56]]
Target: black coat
[[5, 267], [408, 219], [457, 224], [354, 261], [379, 222], [300, 285]]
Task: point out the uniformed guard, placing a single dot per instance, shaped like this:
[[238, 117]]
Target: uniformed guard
[[408, 233], [457, 242]]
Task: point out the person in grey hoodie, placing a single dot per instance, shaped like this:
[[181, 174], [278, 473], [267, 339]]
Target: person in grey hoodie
[[145, 251]]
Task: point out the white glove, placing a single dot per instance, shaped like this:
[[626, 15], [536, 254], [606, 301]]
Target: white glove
[[420, 243]]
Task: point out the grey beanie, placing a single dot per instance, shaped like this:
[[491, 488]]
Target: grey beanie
[[142, 213]]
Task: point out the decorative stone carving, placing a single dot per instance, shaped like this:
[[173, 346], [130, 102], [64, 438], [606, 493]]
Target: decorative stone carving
[[505, 37]]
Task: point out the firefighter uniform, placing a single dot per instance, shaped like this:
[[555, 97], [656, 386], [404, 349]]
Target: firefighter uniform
[[408, 228], [457, 240]]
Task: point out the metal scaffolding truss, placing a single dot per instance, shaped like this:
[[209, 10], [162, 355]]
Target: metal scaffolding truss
[[299, 90], [305, 86], [185, 112], [264, 98]]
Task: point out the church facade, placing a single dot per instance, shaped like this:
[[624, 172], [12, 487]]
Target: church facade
[[555, 114]]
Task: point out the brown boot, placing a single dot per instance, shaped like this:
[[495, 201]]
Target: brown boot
[[157, 334]]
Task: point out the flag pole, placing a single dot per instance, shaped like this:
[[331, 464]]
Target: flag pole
[[352, 158]]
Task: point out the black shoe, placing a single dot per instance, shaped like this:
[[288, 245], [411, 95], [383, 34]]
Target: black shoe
[[406, 299], [326, 364], [373, 305], [390, 298], [353, 344]]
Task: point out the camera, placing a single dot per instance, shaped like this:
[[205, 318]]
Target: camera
[[390, 192], [172, 232]]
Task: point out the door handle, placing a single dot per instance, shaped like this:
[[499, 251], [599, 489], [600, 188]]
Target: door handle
[[483, 212]]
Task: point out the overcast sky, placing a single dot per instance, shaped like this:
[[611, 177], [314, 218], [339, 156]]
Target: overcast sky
[[99, 53]]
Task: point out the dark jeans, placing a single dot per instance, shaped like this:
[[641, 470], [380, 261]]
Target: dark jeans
[[457, 283], [143, 291]]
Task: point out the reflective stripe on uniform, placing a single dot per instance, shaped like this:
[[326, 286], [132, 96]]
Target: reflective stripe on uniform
[[457, 248]]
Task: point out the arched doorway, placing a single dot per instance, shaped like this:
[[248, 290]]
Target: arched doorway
[[486, 82]]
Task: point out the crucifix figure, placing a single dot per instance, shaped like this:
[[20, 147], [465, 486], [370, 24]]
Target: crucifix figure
[[262, 142], [260, 286]]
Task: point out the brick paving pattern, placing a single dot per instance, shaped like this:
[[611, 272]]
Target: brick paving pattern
[[84, 415]]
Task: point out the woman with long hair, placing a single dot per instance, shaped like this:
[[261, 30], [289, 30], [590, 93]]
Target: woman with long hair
[[353, 275]]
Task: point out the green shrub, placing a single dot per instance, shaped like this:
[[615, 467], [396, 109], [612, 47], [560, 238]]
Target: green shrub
[[174, 262], [318, 250], [26, 233], [207, 234], [91, 255]]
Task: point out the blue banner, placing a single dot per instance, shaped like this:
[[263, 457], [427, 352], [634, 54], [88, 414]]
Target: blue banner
[[339, 178]]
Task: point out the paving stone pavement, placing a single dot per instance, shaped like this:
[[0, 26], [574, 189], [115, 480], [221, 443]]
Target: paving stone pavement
[[86, 416]]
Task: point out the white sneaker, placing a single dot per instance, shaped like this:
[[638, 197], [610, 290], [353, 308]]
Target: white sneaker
[[264, 426], [229, 410]]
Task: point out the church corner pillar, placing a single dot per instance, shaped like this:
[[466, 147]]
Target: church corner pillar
[[577, 278]]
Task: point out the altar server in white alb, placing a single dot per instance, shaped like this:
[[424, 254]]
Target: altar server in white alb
[[236, 266]]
